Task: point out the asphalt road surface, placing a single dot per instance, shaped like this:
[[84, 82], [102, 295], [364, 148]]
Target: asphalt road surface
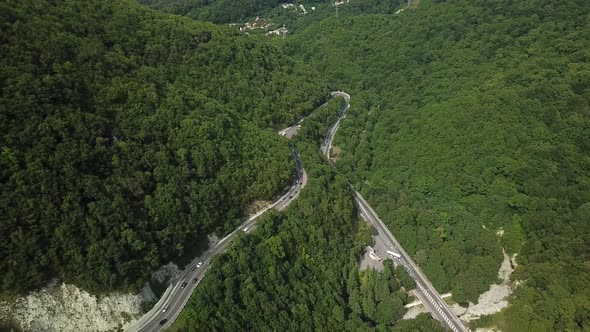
[[327, 145], [294, 129], [175, 298], [424, 291]]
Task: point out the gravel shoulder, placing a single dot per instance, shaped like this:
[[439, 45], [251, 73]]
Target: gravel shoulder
[[379, 250]]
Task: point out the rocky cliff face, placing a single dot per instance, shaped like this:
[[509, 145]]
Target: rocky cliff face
[[64, 308], [61, 307]]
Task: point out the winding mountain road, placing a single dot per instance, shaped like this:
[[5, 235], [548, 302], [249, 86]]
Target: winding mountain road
[[178, 294], [165, 312], [327, 145], [176, 297], [424, 291]]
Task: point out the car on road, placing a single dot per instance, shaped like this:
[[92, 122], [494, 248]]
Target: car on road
[[163, 321], [166, 308], [199, 264], [195, 280], [183, 284]]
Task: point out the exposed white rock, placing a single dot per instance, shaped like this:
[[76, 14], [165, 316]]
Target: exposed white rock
[[68, 308], [414, 311], [488, 303], [62, 307], [494, 299]]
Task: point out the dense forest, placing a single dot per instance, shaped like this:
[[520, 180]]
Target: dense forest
[[298, 270], [235, 11], [128, 134], [218, 11], [469, 132]]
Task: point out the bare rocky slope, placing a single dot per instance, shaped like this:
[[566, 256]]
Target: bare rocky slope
[[62, 307]]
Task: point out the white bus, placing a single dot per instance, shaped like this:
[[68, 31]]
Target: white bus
[[393, 254]]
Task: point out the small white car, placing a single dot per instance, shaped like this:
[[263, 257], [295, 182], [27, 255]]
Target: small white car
[[199, 264]]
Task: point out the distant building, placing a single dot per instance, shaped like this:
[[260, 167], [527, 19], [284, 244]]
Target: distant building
[[372, 254], [280, 31], [257, 24]]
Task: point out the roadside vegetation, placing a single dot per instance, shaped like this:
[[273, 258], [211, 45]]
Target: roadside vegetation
[[219, 11], [128, 134], [298, 270], [231, 11], [468, 132]]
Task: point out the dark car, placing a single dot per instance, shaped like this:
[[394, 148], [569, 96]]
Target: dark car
[[163, 321], [183, 284], [195, 280]]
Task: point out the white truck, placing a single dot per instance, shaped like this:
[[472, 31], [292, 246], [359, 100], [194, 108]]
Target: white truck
[[393, 254]]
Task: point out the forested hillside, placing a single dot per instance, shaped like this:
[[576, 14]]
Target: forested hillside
[[469, 131], [233, 11], [218, 11], [298, 270], [128, 135]]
